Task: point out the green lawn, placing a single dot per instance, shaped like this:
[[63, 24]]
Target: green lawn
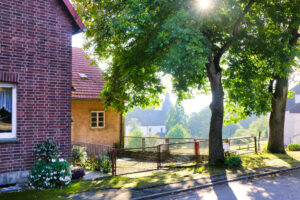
[[251, 164]]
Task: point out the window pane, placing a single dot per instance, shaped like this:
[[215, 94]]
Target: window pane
[[5, 110], [94, 124], [94, 114], [100, 114], [100, 124]]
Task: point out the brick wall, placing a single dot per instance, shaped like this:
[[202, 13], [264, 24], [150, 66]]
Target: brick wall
[[35, 52]]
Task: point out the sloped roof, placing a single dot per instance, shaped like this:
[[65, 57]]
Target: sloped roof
[[75, 16], [87, 87]]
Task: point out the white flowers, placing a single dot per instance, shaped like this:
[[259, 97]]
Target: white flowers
[[53, 160], [61, 160]]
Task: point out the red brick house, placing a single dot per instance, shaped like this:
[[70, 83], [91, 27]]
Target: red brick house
[[35, 80]]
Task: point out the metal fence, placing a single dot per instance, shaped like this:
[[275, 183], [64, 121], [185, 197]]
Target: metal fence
[[94, 149], [165, 153], [138, 142], [133, 160]]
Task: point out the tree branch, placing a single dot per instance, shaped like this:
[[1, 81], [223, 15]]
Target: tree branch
[[234, 32]]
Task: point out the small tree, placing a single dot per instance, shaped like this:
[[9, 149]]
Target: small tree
[[178, 132], [176, 115], [135, 142]]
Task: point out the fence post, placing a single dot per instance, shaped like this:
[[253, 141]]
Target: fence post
[[114, 164], [255, 145], [143, 143], [167, 146], [158, 157], [197, 151]]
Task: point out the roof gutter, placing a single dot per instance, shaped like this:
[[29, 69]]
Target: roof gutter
[[76, 18]]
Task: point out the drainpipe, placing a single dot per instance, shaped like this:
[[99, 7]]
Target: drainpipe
[[121, 131]]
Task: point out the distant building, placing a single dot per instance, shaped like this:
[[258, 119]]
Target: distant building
[[151, 120], [292, 118]]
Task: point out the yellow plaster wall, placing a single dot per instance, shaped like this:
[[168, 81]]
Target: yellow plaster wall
[[81, 127]]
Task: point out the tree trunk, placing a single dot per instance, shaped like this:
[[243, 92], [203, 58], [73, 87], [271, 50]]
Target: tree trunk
[[217, 112], [276, 122]]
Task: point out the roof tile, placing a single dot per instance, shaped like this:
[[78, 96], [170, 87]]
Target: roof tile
[[85, 88]]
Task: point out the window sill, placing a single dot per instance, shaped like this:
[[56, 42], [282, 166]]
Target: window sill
[[9, 140]]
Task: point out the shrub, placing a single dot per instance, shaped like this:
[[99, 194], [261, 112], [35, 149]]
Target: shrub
[[46, 151], [100, 163], [78, 155], [78, 173], [232, 160], [56, 173], [294, 147], [178, 131], [48, 170]]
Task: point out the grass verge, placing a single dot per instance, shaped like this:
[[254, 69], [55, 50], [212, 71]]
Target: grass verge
[[251, 164]]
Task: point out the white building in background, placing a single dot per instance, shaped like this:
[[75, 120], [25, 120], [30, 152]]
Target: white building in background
[[151, 120], [292, 118]]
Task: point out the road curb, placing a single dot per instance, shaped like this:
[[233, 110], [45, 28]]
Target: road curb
[[152, 196]]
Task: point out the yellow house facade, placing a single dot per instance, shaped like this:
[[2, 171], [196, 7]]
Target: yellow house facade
[[91, 123]]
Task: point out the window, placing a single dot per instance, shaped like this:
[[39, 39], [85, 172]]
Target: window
[[97, 119], [7, 110]]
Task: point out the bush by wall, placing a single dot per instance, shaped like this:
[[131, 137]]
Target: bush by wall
[[49, 171]]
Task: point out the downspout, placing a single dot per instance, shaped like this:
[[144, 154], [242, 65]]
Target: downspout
[[121, 131]]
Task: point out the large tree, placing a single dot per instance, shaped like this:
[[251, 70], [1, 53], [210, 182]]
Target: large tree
[[261, 63], [148, 38]]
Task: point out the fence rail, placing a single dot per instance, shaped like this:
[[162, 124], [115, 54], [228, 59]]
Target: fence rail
[[164, 152], [132, 160], [93, 149]]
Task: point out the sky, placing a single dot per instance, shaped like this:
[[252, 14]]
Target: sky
[[192, 105]]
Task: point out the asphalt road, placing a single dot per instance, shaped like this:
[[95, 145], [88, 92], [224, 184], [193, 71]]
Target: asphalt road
[[285, 186]]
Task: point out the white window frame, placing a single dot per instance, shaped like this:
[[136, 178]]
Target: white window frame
[[13, 133], [97, 111]]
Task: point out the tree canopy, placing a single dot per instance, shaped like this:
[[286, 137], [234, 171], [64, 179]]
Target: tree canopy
[[178, 131], [176, 115]]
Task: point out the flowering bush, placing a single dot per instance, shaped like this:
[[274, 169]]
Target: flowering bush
[[46, 151], [48, 170], [56, 173], [79, 155]]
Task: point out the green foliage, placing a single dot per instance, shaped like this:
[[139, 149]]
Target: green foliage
[[232, 160], [176, 115], [147, 39], [78, 154], [100, 163], [256, 127], [259, 58], [294, 147], [178, 131], [198, 123], [134, 142], [54, 174], [46, 151], [49, 171], [134, 124]]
